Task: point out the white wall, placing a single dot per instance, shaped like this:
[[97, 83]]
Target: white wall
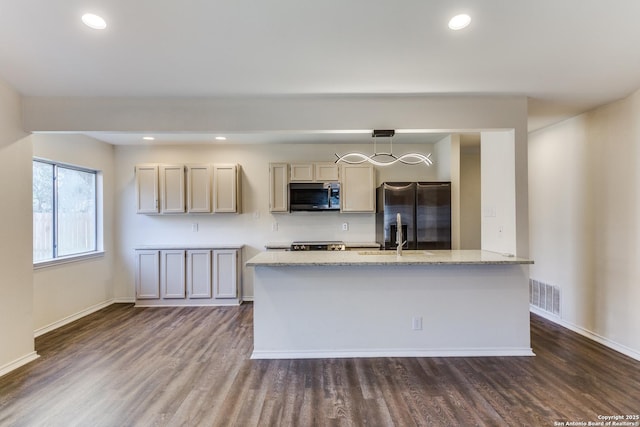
[[64, 290], [585, 220], [442, 152], [462, 168], [16, 279], [470, 199], [455, 191], [498, 187], [447, 151], [276, 113], [253, 227]]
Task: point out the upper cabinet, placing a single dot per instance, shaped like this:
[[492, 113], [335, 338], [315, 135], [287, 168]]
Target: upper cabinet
[[302, 172], [318, 172], [358, 182], [357, 192], [174, 189], [198, 188], [147, 189], [326, 172], [278, 187], [226, 189]]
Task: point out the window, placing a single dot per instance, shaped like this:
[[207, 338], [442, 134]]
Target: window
[[64, 211]]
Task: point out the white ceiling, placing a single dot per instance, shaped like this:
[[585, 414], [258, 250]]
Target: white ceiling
[[568, 56]]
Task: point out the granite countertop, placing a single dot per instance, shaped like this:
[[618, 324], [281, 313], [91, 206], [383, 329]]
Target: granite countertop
[[191, 246], [409, 257], [278, 245], [355, 245]]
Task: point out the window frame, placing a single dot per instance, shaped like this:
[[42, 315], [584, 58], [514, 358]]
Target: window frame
[[97, 250]]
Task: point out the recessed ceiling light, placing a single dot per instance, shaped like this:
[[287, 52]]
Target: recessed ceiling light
[[459, 22], [221, 138], [148, 138], [94, 21]]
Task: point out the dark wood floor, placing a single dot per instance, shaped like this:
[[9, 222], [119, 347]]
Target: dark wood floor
[[128, 366]]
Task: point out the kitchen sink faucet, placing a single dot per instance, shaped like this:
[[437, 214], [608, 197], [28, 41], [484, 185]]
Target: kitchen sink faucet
[[399, 239]]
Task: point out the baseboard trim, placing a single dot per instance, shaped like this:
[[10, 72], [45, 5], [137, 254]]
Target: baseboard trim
[[587, 333], [247, 299], [18, 363], [330, 354], [217, 304], [128, 300], [72, 318]]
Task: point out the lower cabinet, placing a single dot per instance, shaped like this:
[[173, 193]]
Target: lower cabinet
[[225, 273], [172, 283], [188, 277], [147, 274], [199, 273]]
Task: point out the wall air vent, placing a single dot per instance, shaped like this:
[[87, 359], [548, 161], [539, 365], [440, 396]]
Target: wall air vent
[[544, 296]]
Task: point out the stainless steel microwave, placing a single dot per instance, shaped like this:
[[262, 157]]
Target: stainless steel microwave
[[314, 196]]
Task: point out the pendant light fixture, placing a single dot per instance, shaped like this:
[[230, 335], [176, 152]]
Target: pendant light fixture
[[384, 159]]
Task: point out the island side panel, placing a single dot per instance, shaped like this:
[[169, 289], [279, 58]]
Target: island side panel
[[369, 311]]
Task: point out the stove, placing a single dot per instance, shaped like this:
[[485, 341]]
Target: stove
[[318, 246]]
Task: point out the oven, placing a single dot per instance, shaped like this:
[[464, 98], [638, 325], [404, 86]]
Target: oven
[[317, 246]]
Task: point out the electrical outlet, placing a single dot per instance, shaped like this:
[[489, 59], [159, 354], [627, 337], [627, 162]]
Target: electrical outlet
[[416, 323], [345, 226], [274, 226], [194, 227]]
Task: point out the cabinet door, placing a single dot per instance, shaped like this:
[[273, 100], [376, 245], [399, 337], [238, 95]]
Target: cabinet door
[[172, 188], [278, 187], [199, 273], [225, 273], [198, 188], [357, 192], [301, 172], [225, 188], [147, 189], [172, 277], [326, 172], [147, 274]]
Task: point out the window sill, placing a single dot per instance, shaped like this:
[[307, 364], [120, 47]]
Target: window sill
[[67, 260]]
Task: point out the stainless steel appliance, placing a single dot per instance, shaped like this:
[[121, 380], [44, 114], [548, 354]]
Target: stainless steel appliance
[[318, 246], [425, 209], [314, 196]]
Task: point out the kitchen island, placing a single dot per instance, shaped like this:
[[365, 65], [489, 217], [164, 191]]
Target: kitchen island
[[379, 304]]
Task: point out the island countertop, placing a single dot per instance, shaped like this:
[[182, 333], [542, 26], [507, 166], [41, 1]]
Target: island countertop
[[435, 303], [409, 257]]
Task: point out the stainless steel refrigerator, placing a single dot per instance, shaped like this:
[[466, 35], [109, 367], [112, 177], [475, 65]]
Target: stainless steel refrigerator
[[425, 209]]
